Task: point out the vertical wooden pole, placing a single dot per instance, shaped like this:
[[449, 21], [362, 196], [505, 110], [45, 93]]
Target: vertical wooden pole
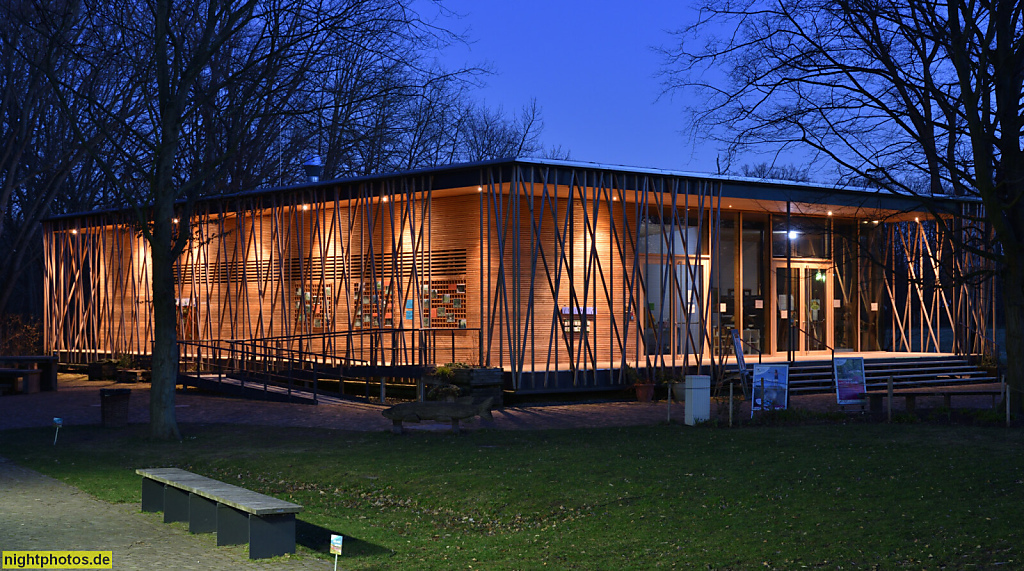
[[730, 404], [888, 400]]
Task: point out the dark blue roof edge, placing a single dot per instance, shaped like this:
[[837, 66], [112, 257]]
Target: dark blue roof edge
[[539, 162]]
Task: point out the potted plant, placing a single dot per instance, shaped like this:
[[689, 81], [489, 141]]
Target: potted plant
[[644, 389], [433, 378], [102, 370], [479, 382], [674, 387]]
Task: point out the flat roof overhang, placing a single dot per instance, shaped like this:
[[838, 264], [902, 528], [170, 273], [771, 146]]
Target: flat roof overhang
[[806, 199]]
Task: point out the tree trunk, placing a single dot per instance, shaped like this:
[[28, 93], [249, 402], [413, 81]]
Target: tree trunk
[[163, 423], [1013, 302]]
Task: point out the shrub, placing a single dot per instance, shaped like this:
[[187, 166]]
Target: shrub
[[443, 372], [20, 335], [440, 392], [124, 361]]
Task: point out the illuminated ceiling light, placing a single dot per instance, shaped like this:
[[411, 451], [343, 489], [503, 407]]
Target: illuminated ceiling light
[[793, 234], [305, 207], [479, 189], [830, 213], [875, 222], [74, 230], [916, 219], [384, 199], [615, 199], [174, 220]]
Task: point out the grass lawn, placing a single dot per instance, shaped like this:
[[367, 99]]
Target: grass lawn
[[828, 496]]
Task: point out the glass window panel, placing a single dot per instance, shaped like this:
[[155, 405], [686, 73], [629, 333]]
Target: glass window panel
[[723, 293], [752, 261], [809, 237], [844, 294]]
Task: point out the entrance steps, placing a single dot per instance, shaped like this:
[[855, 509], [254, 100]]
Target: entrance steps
[[816, 376]]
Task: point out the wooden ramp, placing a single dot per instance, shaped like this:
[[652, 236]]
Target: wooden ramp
[[238, 387]]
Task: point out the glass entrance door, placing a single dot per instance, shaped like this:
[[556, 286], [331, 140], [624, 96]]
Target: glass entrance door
[[803, 308]]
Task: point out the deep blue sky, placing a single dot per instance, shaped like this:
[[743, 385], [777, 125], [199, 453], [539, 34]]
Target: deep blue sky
[[592, 70]]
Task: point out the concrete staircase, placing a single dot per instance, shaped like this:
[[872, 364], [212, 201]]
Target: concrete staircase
[[816, 376]]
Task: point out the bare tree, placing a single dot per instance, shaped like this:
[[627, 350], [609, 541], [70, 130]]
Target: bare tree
[[39, 156], [208, 90], [152, 105], [897, 90], [776, 172], [489, 134]]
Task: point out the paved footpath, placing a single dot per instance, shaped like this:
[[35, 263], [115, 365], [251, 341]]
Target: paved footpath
[[38, 513], [78, 403]]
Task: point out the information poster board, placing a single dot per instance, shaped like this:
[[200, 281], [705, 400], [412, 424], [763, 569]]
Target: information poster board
[[771, 388], [850, 380]]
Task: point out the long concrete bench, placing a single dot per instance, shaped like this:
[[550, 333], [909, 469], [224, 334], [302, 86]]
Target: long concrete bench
[[237, 515]]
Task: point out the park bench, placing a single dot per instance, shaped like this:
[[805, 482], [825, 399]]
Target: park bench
[[910, 396], [237, 515], [23, 381], [438, 410]]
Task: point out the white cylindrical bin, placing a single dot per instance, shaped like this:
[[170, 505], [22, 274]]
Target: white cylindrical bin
[[698, 398]]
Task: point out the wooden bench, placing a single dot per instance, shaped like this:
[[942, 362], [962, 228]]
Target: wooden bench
[[236, 514], [910, 396], [24, 381]]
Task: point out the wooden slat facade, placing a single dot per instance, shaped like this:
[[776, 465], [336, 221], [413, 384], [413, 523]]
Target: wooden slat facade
[[541, 268]]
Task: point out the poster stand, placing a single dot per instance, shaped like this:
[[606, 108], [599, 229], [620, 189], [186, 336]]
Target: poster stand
[[848, 373]]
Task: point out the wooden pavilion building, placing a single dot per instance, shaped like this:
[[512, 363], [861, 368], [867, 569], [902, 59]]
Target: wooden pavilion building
[[559, 273]]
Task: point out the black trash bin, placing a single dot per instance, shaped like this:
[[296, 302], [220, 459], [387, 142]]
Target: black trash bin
[[114, 407]]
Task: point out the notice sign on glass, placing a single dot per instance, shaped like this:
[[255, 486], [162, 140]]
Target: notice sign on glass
[[771, 388], [850, 380]]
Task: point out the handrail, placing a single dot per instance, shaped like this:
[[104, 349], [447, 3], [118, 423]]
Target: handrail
[[747, 344], [422, 345], [215, 359], [815, 337], [264, 355]]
